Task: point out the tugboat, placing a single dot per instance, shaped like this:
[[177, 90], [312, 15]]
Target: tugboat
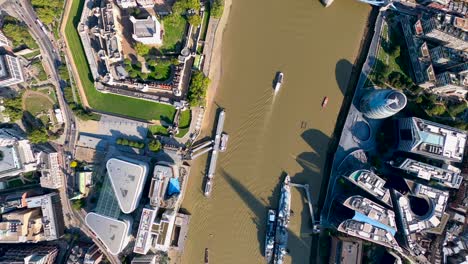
[[282, 222], [270, 235], [324, 102], [279, 81], [206, 256]]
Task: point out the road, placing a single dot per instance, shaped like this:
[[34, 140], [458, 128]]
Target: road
[[51, 61]]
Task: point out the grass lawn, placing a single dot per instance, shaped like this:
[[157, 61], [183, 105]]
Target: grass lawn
[[174, 29], [184, 123], [41, 74], [205, 22], [37, 104], [108, 102], [158, 130], [32, 54]]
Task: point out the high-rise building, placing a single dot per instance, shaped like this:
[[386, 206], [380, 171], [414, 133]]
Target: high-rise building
[[3, 40], [10, 71], [443, 57], [430, 139], [451, 84], [382, 103], [447, 30], [28, 254]]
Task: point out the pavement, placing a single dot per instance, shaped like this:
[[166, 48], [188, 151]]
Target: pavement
[[348, 141]]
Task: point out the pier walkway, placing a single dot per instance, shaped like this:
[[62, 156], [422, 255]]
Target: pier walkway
[[309, 202]]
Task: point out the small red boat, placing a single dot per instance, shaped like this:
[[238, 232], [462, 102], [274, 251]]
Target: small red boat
[[324, 102]]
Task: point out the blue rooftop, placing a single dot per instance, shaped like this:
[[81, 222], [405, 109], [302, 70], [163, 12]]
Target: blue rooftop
[[431, 138], [173, 187], [363, 218]]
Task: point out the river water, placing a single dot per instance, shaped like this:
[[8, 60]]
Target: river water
[[269, 135]]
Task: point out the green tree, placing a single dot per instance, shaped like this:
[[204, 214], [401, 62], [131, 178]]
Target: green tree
[[125, 142], [154, 145], [78, 204], [217, 8], [18, 33], [436, 110], [13, 108], [194, 20], [38, 135], [179, 7], [142, 49], [63, 73], [197, 90], [456, 109]]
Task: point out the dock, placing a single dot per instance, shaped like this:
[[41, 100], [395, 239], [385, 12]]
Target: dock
[[214, 153]]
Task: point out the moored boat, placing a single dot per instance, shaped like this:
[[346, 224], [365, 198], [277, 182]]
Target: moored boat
[[208, 187], [282, 222], [270, 235]]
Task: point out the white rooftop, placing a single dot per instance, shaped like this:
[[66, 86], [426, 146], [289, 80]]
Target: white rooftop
[[127, 178], [112, 232]]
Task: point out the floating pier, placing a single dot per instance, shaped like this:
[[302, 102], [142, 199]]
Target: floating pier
[[214, 153]]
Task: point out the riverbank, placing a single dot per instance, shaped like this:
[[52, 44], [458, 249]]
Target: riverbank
[[215, 71]]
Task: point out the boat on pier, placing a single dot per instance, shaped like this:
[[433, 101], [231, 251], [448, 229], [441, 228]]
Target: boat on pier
[[217, 147], [324, 102], [270, 235], [282, 222]]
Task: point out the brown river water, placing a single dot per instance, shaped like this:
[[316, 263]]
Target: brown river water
[[269, 135]]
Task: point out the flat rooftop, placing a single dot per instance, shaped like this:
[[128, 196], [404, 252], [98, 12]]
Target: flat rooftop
[[373, 184], [112, 232], [10, 159], [368, 232], [378, 215], [127, 178], [143, 238], [449, 176], [432, 139]]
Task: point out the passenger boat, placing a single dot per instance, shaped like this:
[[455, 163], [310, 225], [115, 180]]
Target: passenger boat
[[279, 81], [270, 235], [325, 102]]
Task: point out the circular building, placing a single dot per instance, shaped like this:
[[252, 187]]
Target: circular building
[[382, 103]]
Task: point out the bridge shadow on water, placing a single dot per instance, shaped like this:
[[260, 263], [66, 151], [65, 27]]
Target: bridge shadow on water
[[260, 212]]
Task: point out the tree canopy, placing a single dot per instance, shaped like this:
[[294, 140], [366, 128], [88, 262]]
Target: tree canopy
[[38, 135], [197, 90], [142, 49], [48, 11], [18, 33], [194, 20], [217, 8], [13, 108], [154, 145], [181, 6]]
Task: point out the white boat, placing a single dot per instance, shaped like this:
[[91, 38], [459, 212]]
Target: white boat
[[208, 187], [279, 81]]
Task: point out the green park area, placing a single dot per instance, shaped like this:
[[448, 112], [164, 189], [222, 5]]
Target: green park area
[[36, 104], [174, 30], [184, 123], [18, 33], [108, 102]]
